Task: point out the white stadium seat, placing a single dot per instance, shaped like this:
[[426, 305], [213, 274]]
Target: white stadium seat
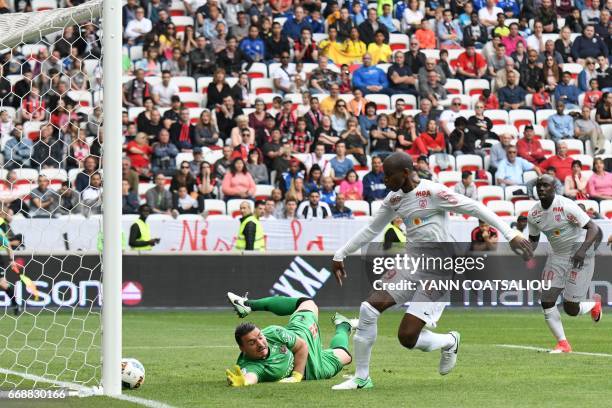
[[521, 117], [449, 178], [469, 162], [381, 101], [605, 208], [522, 207], [475, 86], [214, 207], [360, 208], [490, 193], [574, 146], [501, 208]]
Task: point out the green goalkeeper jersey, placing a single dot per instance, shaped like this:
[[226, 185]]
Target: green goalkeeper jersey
[[279, 363]]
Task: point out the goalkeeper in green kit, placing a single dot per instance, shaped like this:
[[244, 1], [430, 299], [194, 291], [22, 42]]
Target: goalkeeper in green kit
[[289, 353]]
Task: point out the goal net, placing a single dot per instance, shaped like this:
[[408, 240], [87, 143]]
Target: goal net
[[51, 187]]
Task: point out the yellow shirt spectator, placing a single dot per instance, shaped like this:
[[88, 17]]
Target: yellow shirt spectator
[[352, 52], [380, 53], [332, 50], [327, 105]]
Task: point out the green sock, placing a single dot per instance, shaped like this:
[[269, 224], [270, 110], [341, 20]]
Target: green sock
[[279, 305], [341, 338]]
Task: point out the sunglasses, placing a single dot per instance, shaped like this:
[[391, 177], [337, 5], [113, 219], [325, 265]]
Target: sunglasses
[[457, 104], [342, 106]]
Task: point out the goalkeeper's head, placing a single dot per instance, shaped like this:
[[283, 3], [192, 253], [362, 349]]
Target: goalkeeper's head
[[251, 341]]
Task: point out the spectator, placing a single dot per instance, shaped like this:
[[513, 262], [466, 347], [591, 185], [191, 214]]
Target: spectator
[[603, 26], [484, 237], [479, 124], [488, 14], [400, 76], [217, 90], [184, 203], [531, 74], [140, 232], [284, 75], [322, 78], [536, 40], [253, 47], [305, 48], [339, 210], [289, 210], [423, 170], [196, 163], [258, 171], [340, 116], [163, 91], [561, 162], [510, 41], [313, 208], [202, 59], [340, 164], [448, 117], [68, 200], [297, 190], [314, 179], [318, 158], [90, 199], [512, 96], [409, 14], [563, 44], [276, 44], [588, 45], [207, 184], [355, 141], [429, 142], [328, 192], [33, 106], [356, 106], [422, 118], [226, 115], [294, 25], [371, 79], [137, 28], [48, 151], [576, 183], [206, 132], [449, 31], [164, 155], [510, 170], [566, 92], [129, 174], [599, 186], [432, 89], [207, 25], [530, 148], [150, 63], [238, 132], [237, 182], [231, 58], [90, 167], [604, 109], [470, 64], [431, 66], [136, 90], [415, 59], [182, 133], [343, 25], [158, 198], [407, 135], [425, 35], [466, 186], [560, 125], [498, 151], [44, 200], [373, 183], [351, 186], [547, 15], [183, 177], [463, 141], [379, 50], [497, 61], [520, 225], [586, 129], [475, 32], [368, 28], [383, 137], [593, 95]]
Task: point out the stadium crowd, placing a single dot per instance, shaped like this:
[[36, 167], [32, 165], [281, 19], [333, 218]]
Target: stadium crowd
[[298, 103]]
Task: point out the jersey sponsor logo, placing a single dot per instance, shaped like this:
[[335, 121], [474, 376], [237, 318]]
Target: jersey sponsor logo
[[444, 195], [558, 217], [535, 213], [417, 221], [557, 233], [558, 209], [571, 218], [395, 200], [301, 279], [282, 349], [572, 276], [423, 193], [423, 203]]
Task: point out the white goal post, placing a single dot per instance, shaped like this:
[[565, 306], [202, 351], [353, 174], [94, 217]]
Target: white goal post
[[18, 29]]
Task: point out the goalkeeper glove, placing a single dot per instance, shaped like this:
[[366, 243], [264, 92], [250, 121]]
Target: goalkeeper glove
[[235, 377], [295, 377]]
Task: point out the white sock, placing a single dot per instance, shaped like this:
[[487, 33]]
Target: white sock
[[553, 320], [586, 306], [430, 341], [364, 339]]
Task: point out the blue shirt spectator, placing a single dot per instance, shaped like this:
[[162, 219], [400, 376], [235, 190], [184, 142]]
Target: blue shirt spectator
[[316, 25], [510, 170], [566, 92], [374, 182], [587, 45], [340, 164], [510, 6], [253, 46], [294, 25], [371, 79], [339, 210], [511, 96], [17, 151], [560, 126], [449, 31]]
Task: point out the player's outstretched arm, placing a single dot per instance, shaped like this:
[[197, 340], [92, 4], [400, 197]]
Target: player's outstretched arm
[[236, 378], [300, 355], [364, 236], [593, 238]]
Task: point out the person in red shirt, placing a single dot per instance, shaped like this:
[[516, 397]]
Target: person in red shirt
[[431, 141], [489, 99], [139, 152], [541, 98], [529, 148], [561, 161], [594, 95], [470, 64]]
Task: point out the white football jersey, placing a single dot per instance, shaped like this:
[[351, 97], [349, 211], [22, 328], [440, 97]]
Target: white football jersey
[[562, 223], [425, 213]]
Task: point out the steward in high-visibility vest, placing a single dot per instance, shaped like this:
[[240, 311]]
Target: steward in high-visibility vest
[[140, 232], [393, 235], [250, 234]]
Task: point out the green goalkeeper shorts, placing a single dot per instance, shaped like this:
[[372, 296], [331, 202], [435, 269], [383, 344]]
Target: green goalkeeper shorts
[[322, 363]]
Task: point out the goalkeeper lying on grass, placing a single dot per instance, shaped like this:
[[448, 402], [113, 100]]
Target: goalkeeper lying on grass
[[291, 353]]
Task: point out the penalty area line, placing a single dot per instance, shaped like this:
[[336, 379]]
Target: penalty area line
[[541, 349], [89, 391]]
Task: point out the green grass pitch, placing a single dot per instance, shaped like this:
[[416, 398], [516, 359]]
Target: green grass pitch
[[185, 354]]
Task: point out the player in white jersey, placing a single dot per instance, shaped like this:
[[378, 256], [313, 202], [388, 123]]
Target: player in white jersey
[[570, 265], [424, 207]]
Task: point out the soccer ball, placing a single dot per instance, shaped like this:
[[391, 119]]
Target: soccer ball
[[132, 373]]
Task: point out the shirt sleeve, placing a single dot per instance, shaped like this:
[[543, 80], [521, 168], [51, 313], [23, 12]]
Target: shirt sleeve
[[575, 214], [367, 233], [445, 199], [534, 230]]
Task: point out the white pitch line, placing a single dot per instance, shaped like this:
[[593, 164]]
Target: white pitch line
[[581, 353], [65, 384]]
